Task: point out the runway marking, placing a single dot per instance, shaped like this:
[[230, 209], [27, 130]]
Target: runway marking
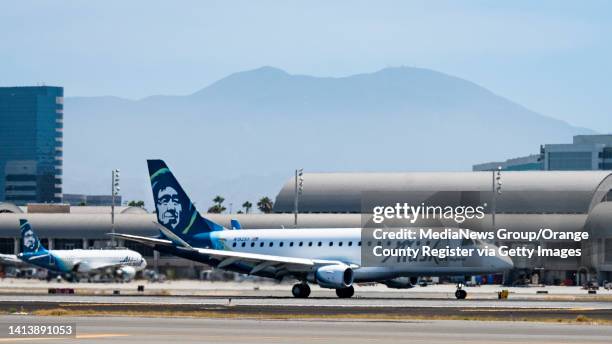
[[498, 310], [82, 336], [247, 336], [100, 335]]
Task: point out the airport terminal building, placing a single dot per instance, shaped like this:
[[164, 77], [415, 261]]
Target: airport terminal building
[[560, 200]]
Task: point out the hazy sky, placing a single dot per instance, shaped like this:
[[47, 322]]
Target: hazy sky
[[551, 56]]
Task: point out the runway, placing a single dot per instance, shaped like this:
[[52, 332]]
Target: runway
[[366, 302], [274, 301], [243, 313], [188, 330], [312, 308]]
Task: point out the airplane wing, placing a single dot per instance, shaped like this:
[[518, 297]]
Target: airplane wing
[[10, 259], [281, 265], [85, 266], [143, 240]]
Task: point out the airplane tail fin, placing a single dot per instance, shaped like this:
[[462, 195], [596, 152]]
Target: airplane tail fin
[[30, 244], [236, 224], [175, 211]]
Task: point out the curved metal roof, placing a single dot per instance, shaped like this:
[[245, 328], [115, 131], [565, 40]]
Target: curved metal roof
[[6, 207], [600, 220], [96, 226], [522, 192], [133, 210]]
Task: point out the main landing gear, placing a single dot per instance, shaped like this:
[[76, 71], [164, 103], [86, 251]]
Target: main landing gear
[[301, 290], [345, 293], [460, 294]]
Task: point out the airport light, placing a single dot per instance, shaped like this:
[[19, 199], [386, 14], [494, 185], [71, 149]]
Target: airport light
[[115, 189], [496, 189], [299, 188]]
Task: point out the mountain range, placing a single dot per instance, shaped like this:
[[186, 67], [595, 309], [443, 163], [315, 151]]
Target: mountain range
[[242, 136]]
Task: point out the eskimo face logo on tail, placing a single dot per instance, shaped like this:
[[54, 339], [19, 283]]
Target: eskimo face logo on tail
[[174, 210], [169, 208], [29, 241]]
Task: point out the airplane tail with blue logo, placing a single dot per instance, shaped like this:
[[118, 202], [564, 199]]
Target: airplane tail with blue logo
[[235, 224], [30, 244], [179, 217]]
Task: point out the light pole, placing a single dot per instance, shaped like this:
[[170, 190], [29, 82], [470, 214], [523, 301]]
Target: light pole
[[299, 187], [115, 188], [496, 187]]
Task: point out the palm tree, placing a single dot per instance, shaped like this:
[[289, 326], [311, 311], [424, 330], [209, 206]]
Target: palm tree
[[265, 205], [218, 199], [218, 207], [136, 204], [247, 206]]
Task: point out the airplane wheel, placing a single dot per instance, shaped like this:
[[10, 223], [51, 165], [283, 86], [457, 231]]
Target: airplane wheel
[[301, 290], [345, 293], [460, 294]]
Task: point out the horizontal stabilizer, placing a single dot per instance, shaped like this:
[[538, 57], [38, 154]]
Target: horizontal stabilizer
[[143, 240]]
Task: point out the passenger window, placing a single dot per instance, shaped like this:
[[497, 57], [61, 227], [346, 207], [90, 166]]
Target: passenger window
[[252, 244], [350, 243], [319, 243], [340, 243], [310, 243], [234, 245], [331, 243], [281, 244], [291, 244], [359, 244], [261, 244], [271, 244], [243, 244], [301, 243]]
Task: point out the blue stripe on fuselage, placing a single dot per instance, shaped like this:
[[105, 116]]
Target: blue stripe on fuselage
[[45, 260]]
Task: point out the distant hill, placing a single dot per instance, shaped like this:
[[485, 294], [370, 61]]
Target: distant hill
[[242, 136]]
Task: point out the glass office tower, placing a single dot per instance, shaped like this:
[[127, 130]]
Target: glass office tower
[[31, 143]]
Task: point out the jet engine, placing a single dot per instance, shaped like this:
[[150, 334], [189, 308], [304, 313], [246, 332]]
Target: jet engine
[[126, 273], [333, 276]]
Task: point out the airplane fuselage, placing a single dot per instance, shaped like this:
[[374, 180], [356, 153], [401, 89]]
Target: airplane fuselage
[[78, 260], [333, 244]]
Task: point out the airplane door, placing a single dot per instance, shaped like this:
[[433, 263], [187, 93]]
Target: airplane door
[[51, 260]]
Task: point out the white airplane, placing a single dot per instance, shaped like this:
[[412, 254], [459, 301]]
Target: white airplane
[[121, 262], [329, 257]]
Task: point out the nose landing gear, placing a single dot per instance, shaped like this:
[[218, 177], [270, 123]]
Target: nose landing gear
[[460, 294], [301, 290]]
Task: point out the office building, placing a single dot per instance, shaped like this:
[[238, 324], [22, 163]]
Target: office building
[[31, 137], [585, 153], [90, 200], [533, 162]]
